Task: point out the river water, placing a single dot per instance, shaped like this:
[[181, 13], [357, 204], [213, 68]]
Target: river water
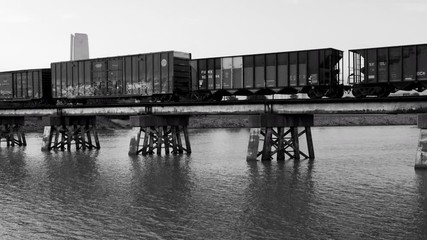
[[362, 185]]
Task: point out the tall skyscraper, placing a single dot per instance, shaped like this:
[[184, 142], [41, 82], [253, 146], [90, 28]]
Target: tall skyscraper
[[79, 46]]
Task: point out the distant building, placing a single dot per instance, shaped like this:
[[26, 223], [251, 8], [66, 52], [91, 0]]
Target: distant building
[[79, 46]]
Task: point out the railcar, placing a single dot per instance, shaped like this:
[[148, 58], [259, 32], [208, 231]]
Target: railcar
[[154, 76], [314, 72], [384, 70], [25, 87]]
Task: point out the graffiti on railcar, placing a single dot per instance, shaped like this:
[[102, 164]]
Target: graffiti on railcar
[[139, 88], [101, 88]]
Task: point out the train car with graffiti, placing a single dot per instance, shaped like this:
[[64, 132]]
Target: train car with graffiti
[[158, 76]]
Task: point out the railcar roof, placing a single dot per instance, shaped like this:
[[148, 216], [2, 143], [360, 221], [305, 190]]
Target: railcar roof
[[266, 53], [410, 45], [26, 70], [120, 56]]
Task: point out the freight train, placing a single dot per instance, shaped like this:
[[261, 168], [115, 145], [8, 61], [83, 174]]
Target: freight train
[[174, 76]]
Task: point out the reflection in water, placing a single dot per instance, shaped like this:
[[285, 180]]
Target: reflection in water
[[362, 185], [161, 189], [274, 192], [12, 165], [72, 175], [421, 179]]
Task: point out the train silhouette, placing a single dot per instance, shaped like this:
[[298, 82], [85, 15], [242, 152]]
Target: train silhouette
[[175, 76]]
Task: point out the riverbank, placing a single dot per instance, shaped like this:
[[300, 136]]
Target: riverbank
[[365, 120], [319, 120], [34, 124]]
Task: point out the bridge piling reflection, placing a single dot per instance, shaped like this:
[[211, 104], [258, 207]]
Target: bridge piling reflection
[[280, 135]]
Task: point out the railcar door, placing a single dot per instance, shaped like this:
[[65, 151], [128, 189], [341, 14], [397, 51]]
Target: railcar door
[[99, 78], [115, 77], [6, 85]]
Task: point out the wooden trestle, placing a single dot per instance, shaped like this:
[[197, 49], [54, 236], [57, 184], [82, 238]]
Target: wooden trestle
[[61, 131], [12, 132], [156, 132], [280, 134]]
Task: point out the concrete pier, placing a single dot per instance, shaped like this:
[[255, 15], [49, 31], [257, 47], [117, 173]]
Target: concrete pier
[[60, 132], [156, 132], [12, 131], [280, 135], [421, 157]]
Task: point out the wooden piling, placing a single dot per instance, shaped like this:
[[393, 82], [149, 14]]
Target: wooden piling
[[146, 137], [187, 139], [280, 132], [12, 131], [295, 140], [309, 139], [178, 138], [266, 152], [280, 144], [160, 132], [159, 140], [253, 144], [62, 131], [421, 156], [174, 141]]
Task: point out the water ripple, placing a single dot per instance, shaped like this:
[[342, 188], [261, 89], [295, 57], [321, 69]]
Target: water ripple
[[362, 185]]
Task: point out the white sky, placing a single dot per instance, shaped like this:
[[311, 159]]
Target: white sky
[[35, 33]]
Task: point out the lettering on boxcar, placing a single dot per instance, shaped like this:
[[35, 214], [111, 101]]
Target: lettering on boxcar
[[312, 79]]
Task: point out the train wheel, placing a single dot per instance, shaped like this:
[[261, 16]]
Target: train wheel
[[337, 92], [340, 93], [175, 98], [384, 92], [315, 93], [196, 96], [357, 93], [217, 97]]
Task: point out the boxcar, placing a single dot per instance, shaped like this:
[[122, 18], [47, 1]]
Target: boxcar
[[159, 76], [379, 71], [315, 72], [26, 85]]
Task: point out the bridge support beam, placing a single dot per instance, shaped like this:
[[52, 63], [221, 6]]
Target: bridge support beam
[[280, 135], [60, 132], [12, 131], [156, 132], [421, 157]]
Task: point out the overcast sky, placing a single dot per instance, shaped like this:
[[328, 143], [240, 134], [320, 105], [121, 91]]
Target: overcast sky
[[36, 33]]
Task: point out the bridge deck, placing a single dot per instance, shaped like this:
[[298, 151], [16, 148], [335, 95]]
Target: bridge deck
[[391, 105]]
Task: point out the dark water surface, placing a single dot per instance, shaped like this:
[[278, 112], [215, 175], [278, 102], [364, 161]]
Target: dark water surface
[[362, 185]]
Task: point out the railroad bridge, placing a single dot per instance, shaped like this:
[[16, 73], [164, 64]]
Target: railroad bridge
[[157, 126]]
